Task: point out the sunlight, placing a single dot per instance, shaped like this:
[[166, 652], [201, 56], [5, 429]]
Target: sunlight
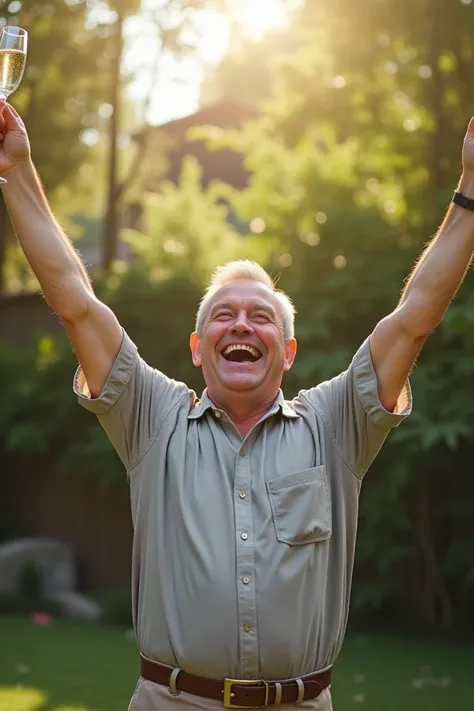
[[177, 85], [254, 18], [19, 698], [257, 18]]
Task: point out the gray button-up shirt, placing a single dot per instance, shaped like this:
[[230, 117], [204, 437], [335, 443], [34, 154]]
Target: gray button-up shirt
[[243, 548]]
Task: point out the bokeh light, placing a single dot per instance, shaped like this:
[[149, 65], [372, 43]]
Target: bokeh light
[[257, 225], [285, 260]]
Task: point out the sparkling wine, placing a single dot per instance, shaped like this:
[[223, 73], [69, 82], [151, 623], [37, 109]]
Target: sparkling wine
[[12, 65]]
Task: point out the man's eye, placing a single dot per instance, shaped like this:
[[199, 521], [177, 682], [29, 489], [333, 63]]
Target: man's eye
[[261, 317], [223, 315]]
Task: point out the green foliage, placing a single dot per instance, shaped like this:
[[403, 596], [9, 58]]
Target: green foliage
[[30, 582], [16, 604], [117, 607], [29, 595], [64, 83], [185, 230]]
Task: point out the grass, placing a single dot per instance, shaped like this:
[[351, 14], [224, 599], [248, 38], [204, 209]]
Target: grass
[[74, 667]]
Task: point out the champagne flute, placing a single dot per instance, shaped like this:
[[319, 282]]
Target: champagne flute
[[13, 47]]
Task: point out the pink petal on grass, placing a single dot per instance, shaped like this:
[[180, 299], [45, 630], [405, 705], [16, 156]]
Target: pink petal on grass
[[41, 618]]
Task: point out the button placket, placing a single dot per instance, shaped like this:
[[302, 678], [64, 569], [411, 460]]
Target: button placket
[[245, 557]]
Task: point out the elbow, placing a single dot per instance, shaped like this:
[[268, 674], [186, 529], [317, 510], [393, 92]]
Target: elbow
[[70, 299], [418, 317]]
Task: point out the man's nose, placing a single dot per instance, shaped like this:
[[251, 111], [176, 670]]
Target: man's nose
[[242, 324]]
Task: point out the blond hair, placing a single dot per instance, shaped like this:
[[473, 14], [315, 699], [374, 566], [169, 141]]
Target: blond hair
[[245, 269]]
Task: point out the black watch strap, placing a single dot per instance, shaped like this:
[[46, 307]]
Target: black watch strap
[[463, 201]]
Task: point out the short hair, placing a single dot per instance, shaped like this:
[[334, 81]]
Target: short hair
[[246, 269]]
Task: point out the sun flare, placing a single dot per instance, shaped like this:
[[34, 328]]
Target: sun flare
[[254, 18], [179, 81], [259, 16]]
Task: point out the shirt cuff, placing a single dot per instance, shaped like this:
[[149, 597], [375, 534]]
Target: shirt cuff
[[366, 387], [115, 384]]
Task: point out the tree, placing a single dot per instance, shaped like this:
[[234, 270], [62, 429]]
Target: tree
[[175, 33], [122, 8], [63, 87]]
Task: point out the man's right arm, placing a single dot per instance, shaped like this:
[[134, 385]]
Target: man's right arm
[[92, 327]]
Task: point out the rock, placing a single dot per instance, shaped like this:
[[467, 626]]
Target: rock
[[77, 606], [53, 558]]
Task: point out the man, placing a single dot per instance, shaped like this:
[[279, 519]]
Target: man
[[244, 504]]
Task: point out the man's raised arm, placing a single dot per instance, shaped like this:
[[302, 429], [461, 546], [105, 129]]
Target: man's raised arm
[[398, 338], [92, 327]]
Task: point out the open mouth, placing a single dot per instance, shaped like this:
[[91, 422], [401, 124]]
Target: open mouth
[[241, 353]]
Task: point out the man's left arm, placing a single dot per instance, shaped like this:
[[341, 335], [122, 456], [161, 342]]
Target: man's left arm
[[397, 339]]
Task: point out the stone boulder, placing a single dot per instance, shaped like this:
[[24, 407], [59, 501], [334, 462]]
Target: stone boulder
[[53, 558], [76, 606]]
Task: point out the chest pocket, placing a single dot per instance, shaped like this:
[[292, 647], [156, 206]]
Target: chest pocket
[[301, 506]]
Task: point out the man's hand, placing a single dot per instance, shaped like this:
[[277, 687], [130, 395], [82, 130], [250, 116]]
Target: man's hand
[[14, 143]]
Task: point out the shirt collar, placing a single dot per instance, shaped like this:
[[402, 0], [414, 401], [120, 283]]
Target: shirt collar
[[205, 403]]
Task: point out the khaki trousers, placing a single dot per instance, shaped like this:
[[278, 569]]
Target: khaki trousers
[[149, 696]]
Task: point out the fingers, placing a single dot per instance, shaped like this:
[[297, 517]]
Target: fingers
[[470, 128], [11, 118]]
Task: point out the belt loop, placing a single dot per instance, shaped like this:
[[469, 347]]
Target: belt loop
[[174, 675], [300, 691], [278, 689]]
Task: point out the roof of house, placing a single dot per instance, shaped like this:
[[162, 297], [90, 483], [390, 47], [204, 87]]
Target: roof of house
[[225, 113], [223, 164]]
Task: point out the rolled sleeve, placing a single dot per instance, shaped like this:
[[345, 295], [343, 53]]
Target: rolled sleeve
[[133, 404], [116, 383], [350, 407], [367, 391]]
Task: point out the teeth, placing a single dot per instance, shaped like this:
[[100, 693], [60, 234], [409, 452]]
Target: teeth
[[242, 347]]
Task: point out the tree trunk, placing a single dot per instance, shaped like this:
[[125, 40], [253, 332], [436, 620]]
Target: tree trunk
[[110, 236], [434, 594], [435, 50]]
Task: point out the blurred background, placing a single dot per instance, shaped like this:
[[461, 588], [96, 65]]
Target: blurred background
[[322, 139]]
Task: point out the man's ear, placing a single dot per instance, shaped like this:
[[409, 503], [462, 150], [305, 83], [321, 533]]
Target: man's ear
[[195, 345], [290, 353]]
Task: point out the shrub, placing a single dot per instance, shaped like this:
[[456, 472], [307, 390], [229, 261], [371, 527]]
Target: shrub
[[29, 596], [117, 607]]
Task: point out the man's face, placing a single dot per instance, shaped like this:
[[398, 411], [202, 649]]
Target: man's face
[[242, 346]]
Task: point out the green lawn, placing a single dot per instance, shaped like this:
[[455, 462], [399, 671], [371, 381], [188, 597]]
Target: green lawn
[[73, 667]]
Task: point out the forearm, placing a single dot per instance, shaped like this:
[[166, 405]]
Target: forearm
[[52, 257], [441, 269]]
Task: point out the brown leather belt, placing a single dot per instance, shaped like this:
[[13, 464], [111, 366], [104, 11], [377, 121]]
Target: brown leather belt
[[238, 693]]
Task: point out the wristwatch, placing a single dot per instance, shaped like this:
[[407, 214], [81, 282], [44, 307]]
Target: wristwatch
[[463, 201]]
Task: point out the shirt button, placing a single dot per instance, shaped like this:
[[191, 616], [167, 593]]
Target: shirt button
[[242, 452], [245, 580], [217, 414], [247, 628], [242, 494], [244, 536]]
